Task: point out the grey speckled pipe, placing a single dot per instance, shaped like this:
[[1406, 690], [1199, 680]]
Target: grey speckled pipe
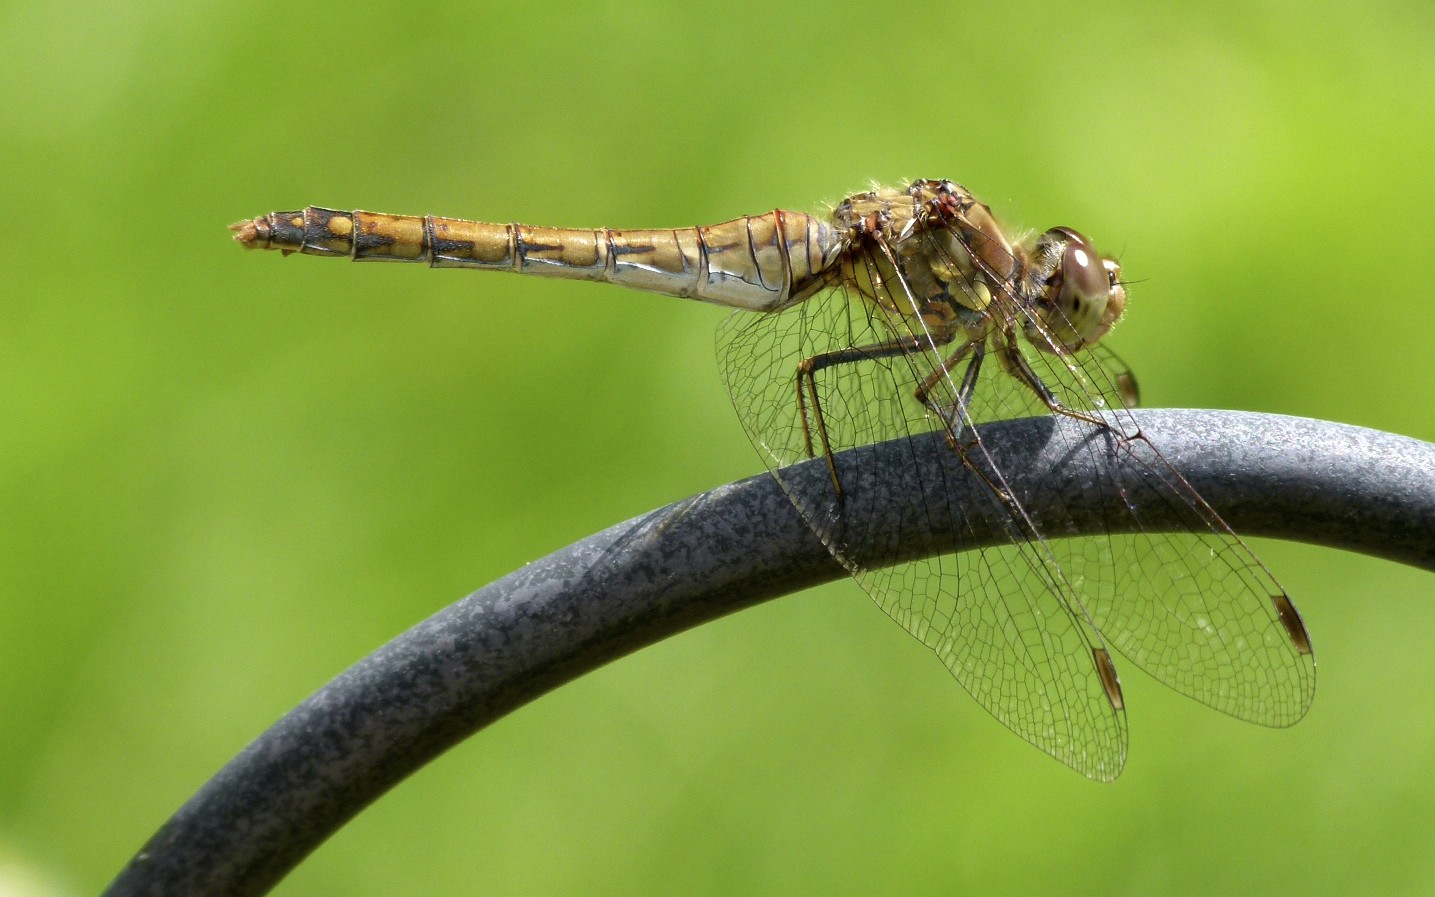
[[719, 552]]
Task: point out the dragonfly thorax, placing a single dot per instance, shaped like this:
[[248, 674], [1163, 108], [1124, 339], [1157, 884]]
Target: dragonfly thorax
[[933, 251]]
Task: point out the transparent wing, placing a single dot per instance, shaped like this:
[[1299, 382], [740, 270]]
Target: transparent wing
[[997, 618], [1022, 626], [1194, 608]]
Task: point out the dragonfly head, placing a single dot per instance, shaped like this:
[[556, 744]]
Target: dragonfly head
[[1077, 294]]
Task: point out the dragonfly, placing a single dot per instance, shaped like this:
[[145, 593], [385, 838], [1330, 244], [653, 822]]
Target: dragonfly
[[905, 313]]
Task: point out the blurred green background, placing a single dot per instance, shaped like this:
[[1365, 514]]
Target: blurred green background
[[225, 476]]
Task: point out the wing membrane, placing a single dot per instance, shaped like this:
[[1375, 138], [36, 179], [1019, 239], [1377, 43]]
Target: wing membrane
[[1020, 626], [996, 618]]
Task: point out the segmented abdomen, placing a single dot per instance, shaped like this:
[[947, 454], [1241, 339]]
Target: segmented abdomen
[[758, 262]]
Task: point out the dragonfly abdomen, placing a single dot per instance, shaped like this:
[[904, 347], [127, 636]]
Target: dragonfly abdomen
[[751, 262]]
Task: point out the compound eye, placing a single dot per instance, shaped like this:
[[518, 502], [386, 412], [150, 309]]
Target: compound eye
[[1085, 286], [1085, 275]]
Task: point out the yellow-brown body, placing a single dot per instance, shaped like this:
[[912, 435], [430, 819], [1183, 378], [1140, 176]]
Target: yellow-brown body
[[760, 262]]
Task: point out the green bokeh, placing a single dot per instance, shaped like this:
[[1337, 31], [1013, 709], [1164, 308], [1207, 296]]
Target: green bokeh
[[225, 476]]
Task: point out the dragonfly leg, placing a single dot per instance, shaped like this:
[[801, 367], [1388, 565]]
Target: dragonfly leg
[[952, 416], [956, 417], [807, 396], [1017, 365]]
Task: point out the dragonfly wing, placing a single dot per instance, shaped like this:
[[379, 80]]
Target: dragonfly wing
[[1188, 603], [995, 618], [1022, 626], [1000, 619]]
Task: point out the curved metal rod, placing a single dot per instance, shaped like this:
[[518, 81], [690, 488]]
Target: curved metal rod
[[713, 554]]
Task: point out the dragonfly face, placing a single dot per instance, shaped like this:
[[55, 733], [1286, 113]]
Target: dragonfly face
[[1076, 294]]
